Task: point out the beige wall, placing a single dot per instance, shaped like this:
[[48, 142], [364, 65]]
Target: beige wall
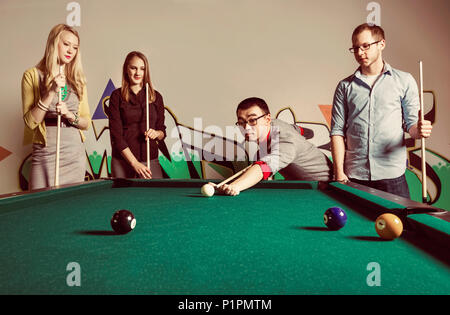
[[207, 55]]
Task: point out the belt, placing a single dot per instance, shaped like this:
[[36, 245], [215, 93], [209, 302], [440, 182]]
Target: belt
[[53, 122]]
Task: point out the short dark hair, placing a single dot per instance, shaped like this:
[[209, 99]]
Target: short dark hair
[[376, 31], [253, 101]]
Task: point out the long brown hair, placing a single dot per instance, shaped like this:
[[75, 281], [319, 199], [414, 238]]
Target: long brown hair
[[49, 63], [125, 90]]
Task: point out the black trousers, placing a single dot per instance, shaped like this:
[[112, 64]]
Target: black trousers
[[121, 169]]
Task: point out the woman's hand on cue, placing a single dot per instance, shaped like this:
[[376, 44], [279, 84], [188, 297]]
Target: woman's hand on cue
[[61, 108], [142, 170], [59, 82], [153, 134]]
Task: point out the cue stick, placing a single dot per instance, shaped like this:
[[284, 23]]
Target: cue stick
[[422, 139], [58, 136], [148, 124], [234, 176]]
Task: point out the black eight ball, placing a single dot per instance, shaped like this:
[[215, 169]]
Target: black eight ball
[[123, 221]]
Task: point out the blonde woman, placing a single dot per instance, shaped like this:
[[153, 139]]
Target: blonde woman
[[59, 71], [127, 122]]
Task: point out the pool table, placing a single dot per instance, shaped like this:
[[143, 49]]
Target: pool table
[[269, 240]]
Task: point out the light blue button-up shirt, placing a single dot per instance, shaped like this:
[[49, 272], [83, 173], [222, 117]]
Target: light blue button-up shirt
[[373, 121]]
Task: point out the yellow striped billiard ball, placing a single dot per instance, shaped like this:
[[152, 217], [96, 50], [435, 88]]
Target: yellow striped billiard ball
[[389, 226]]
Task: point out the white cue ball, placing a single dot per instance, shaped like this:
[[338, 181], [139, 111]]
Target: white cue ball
[[207, 190]]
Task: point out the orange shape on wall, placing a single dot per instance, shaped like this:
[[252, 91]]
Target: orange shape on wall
[[326, 112], [4, 153]]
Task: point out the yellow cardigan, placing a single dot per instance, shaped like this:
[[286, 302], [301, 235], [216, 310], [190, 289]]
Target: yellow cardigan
[[36, 132]]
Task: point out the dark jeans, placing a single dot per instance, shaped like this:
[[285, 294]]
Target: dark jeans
[[397, 186]]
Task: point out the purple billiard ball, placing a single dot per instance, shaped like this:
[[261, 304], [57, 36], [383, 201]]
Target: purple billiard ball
[[335, 218], [123, 221]]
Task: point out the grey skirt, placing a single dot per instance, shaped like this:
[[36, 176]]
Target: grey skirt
[[72, 159]]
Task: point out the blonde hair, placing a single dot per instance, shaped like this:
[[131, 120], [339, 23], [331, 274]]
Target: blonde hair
[[49, 63], [125, 90]]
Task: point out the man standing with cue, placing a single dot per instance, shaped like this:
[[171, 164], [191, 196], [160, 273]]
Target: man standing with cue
[[372, 109]]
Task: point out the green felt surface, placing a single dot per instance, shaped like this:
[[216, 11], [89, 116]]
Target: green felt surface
[[433, 222], [264, 241]]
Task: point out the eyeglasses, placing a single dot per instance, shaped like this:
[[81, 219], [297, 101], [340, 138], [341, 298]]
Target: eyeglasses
[[251, 121], [363, 47]]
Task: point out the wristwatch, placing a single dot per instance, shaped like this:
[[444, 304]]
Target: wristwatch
[[75, 122]]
